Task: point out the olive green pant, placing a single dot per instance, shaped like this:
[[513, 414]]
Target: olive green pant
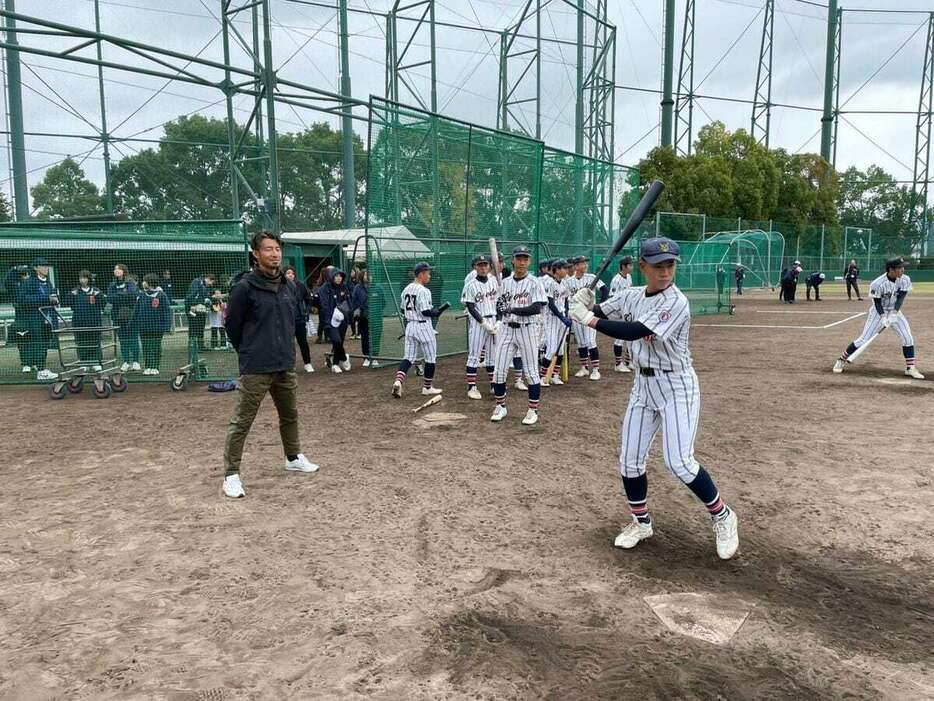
[[283, 387]]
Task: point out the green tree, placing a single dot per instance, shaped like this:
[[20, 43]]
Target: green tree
[[6, 210], [65, 192]]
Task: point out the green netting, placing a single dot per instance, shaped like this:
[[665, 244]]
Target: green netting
[[191, 262]]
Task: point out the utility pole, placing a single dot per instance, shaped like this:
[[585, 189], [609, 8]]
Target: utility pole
[[669, 72], [15, 99], [826, 136], [684, 124], [348, 178], [269, 85], [762, 102], [105, 137]]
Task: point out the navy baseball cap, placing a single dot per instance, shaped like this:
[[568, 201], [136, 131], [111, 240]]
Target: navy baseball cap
[[583, 259], [421, 267], [39, 260], [625, 260], [521, 251], [574, 260], [889, 264], [480, 258], [659, 249], [559, 263]]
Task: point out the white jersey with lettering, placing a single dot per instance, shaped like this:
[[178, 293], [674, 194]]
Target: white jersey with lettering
[[665, 394], [419, 333], [586, 336], [886, 291], [555, 328], [619, 283], [518, 335], [482, 293]]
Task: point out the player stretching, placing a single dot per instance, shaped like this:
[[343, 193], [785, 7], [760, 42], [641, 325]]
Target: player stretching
[[888, 293], [621, 281], [521, 298], [665, 393], [479, 298], [416, 305]]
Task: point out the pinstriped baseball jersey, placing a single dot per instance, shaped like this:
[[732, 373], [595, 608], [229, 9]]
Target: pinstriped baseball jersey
[[575, 283], [619, 283], [415, 300], [667, 314], [521, 293], [887, 290], [483, 294]]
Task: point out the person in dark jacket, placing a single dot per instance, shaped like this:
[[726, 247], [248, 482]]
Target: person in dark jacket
[[301, 321], [167, 285], [261, 315], [87, 310], [740, 275], [122, 294], [16, 276], [360, 302], [37, 294], [851, 276], [814, 281], [153, 320], [316, 301], [336, 311], [197, 302]]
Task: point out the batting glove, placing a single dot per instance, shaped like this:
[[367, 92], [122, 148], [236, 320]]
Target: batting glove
[[886, 321], [586, 297], [489, 328], [580, 313], [566, 321]]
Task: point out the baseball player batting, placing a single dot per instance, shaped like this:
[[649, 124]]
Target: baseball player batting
[[665, 392], [419, 334], [888, 293]]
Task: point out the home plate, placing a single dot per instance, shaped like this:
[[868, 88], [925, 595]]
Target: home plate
[[906, 382], [709, 617], [439, 418]]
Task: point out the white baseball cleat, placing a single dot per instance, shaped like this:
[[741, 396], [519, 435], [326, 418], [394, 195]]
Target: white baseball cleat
[[499, 413], [301, 464], [555, 380], [531, 417], [621, 368], [431, 391], [838, 365], [345, 365], [134, 367], [46, 375], [521, 386], [397, 389], [309, 367], [374, 363], [233, 487], [336, 369], [125, 367], [583, 372], [474, 393], [914, 372], [632, 534], [27, 368], [595, 375], [366, 363], [725, 528], [543, 383]]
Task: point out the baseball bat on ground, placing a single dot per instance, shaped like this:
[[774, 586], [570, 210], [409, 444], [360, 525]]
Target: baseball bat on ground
[[434, 400], [859, 351], [627, 232]]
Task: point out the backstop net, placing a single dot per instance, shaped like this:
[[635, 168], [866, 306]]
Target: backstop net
[[145, 297]]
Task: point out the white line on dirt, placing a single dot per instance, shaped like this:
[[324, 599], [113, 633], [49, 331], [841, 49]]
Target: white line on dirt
[[792, 311], [781, 326]]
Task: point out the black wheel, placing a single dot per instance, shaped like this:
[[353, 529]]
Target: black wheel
[[76, 384], [732, 309], [104, 391], [57, 390], [118, 383], [180, 383]]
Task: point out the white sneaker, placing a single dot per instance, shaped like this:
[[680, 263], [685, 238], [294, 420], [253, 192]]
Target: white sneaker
[[301, 464], [531, 417], [374, 363], [632, 534], [555, 380], [134, 367], [397, 389], [595, 375], [499, 413], [727, 535], [125, 367], [154, 371], [96, 368], [46, 375], [336, 369], [521, 386], [147, 371], [233, 487], [345, 365], [27, 368], [583, 372], [621, 368], [543, 383], [309, 367], [366, 363], [431, 391], [839, 365], [914, 372], [474, 393]]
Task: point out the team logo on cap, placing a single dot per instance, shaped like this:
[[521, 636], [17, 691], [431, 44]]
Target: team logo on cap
[[663, 247], [664, 315]]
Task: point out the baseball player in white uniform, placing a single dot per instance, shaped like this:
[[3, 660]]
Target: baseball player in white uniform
[[586, 337], [557, 323], [521, 298], [479, 299], [888, 293], [621, 281], [656, 319], [419, 333]]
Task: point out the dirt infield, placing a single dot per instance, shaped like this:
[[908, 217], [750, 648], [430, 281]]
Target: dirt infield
[[475, 560]]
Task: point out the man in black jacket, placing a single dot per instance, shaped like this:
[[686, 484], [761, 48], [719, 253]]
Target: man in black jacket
[[261, 313]]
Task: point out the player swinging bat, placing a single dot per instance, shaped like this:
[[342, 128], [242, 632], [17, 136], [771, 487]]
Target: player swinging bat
[[635, 219]]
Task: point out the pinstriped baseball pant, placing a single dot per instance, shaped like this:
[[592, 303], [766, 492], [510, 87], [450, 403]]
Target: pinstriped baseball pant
[[510, 342]]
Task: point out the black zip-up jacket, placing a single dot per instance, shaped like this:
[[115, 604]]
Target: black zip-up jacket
[[261, 318]]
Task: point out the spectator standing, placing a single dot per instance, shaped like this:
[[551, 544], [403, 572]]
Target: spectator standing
[[36, 294], [301, 320], [153, 320], [87, 309], [122, 294], [216, 320], [740, 275], [15, 277], [197, 301], [260, 316], [316, 296], [360, 301], [336, 311]]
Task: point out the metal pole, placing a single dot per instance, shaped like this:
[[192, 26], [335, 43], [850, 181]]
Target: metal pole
[[17, 138], [538, 69], [269, 80], [348, 176], [579, 130], [231, 124], [105, 138], [822, 230], [668, 72], [869, 252], [503, 82], [826, 137]]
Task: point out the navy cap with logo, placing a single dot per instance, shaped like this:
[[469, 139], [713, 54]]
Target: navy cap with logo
[[658, 250], [421, 267], [583, 259], [480, 258], [574, 260], [893, 263], [39, 260], [521, 251], [559, 263]]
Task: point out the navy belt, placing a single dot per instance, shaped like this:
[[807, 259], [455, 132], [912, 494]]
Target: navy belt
[[651, 372], [418, 321], [515, 325]]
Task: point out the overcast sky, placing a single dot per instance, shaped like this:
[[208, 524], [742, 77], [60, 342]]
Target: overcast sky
[[305, 48]]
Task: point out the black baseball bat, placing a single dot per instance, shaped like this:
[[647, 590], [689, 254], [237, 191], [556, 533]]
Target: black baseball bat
[[638, 214]]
